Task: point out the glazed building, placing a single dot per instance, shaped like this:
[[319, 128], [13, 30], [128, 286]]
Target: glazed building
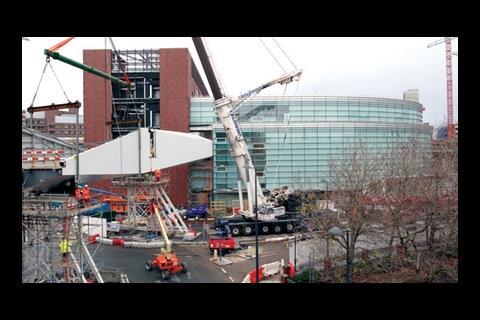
[[291, 139]]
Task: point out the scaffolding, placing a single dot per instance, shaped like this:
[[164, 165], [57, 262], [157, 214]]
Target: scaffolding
[[144, 60], [53, 249], [140, 101], [200, 182], [142, 192]]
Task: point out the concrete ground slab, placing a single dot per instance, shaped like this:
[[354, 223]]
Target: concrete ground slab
[[235, 259], [223, 262]]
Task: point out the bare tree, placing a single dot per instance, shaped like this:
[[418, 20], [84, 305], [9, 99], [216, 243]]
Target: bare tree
[[398, 194], [440, 194], [353, 179], [402, 172]]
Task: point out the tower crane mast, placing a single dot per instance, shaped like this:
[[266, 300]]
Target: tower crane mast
[[448, 62]]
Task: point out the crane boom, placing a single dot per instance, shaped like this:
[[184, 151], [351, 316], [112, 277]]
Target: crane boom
[[90, 69], [439, 41], [163, 229], [225, 108], [207, 65]]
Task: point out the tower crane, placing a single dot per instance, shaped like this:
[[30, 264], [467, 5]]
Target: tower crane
[[448, 59]]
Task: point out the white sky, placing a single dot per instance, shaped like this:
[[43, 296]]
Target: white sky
[[380, 67]]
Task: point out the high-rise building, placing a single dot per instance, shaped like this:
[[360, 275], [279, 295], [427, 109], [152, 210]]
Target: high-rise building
[[411, 95], [293, 140]]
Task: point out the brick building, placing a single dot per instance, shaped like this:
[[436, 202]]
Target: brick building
[[163, 80], [61, 124]]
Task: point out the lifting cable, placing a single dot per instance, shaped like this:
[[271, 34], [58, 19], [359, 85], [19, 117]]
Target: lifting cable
[[115, 115], [285, 54], [281, 101], [122, 67], [53, 48], [58, 80], [47, 62], [60, 44], [38, 87], [125, 76], [272, 54], [284, 138]]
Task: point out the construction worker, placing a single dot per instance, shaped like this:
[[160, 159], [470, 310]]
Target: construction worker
[[86, 193], [64, 247], [79, 195], [158, 174]]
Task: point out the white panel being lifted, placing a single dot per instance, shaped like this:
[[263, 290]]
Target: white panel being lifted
[[159, 149]]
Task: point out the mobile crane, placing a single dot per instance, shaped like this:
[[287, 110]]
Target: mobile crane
[[271, 219]]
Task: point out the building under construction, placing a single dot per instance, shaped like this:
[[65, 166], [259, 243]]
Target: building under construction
[[142, 159], [163, 80]]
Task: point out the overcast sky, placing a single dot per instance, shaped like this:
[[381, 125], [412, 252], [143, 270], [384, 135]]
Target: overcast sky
[[379, 67]]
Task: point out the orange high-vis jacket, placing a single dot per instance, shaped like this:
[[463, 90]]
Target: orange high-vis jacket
[[86, 194], [158, 174], [78, 194]]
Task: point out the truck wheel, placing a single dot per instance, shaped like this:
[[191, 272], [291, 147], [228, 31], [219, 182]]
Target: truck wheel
[[248, 230], [265, 229], [277, 229], [289, 227], [148, 266], [184, 269], [236, 231], [165, 275]]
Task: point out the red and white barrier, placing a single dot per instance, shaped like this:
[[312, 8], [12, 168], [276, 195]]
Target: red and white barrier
[[40, 158], [35, 155], [268, 270], [32, 152]]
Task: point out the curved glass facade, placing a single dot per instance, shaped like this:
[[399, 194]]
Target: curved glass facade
[[292, 140]]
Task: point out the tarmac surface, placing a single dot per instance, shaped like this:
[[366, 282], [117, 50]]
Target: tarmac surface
[[132, 262], [200, 269]]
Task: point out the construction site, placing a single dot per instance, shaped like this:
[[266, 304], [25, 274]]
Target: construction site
[[156, 178]]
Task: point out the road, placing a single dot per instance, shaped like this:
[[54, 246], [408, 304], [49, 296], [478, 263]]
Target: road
[[132, 262], [268, 252], [196, 258]]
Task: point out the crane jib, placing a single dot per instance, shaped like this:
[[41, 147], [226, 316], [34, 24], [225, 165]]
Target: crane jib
[[249, 93], [237, 126]]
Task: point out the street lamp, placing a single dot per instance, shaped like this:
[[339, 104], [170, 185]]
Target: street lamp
[[295, 253], [247, 173], [256, 231], [337, 232]]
